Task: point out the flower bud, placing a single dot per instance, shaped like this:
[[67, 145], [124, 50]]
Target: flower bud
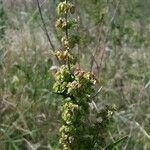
[[65, 42]]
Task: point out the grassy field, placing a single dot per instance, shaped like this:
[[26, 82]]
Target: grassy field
[[30, 111]]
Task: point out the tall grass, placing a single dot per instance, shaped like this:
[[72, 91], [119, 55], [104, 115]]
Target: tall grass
[[29, 112]]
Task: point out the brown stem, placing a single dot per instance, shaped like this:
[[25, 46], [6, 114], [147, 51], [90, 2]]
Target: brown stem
[[44, 26]]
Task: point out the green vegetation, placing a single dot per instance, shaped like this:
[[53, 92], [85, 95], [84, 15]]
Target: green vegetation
[[41, 89]]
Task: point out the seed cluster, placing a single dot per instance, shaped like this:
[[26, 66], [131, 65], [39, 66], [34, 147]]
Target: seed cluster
[[75, 86]]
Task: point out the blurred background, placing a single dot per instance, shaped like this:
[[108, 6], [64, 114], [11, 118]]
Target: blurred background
[[115, 45]]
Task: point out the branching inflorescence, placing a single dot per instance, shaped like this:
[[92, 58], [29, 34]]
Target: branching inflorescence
[[75, 85]]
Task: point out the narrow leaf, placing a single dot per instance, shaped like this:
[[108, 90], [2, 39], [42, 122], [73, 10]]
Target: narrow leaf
[[113, 145]]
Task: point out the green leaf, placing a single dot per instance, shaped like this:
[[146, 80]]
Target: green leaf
[[113, 145]]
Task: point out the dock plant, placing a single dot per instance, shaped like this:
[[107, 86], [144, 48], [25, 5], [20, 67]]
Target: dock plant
[[76, 85]]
